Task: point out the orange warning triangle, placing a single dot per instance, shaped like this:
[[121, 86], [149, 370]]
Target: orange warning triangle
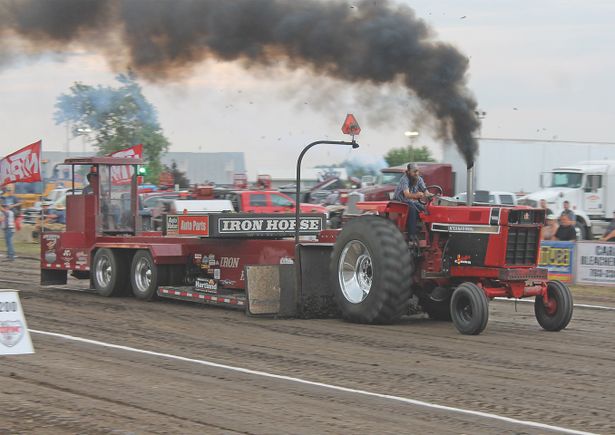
[[351, 126]]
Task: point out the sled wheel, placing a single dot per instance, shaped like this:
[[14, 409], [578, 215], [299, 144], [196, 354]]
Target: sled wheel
[[469, 309], [557, 312], [371, 270], [145, 276], [109, 273]]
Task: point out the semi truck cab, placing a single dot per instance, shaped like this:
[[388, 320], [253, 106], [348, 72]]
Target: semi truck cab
[[589, 186]]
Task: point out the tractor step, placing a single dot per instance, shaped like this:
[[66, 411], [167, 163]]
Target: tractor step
[[187, 293]]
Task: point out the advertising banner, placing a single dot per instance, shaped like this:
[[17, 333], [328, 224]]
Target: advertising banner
[[595, 263], [558, 259], [23, 165], [123, 174]]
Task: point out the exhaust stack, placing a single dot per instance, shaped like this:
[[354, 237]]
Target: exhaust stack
[[470, 185]]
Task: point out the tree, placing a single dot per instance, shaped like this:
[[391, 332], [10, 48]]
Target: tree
[[179, 177], [399, 156], [115, 118]]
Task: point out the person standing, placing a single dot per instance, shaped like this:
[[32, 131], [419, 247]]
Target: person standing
[[545, 207], [568, 212], [8, 228], [410, 190], [551, 227], [609, 233], [566, 231]]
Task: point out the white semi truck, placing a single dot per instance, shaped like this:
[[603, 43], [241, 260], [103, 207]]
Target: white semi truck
[[589, 186]]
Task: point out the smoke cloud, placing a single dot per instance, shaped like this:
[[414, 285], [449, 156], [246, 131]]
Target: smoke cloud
[[363, 42]]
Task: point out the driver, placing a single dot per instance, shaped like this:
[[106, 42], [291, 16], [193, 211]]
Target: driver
[[410, 190]]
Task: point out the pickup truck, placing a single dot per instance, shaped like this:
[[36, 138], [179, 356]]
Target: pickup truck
[[266, 201]]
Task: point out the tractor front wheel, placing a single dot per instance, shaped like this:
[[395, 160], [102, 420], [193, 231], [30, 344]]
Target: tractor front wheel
[[371, 269], [557, 312], [469, 309]]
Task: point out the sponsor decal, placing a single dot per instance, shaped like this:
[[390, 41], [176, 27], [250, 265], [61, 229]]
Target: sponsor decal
[[216, 273], [172, 224], [457, 228], [206, 285], [11, 332], [463, 259], [229, 262], [287, 260], [266, 225], [197, 259], [81, 257], [228, 282], [212, 260]]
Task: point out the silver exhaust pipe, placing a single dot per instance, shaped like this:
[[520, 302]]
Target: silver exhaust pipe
[[470, 185]]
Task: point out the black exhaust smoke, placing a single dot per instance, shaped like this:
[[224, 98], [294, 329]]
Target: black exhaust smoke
[[366, 41]]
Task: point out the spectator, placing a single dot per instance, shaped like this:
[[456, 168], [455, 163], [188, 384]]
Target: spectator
[[549, 230], [609, 234], [543, 205], [7, 224], [10, 200], [568, 212], [566, 231]]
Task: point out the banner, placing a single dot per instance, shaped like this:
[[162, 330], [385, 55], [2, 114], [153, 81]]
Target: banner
[[23, 165], [123, 174], [595, 263], [558, 259]]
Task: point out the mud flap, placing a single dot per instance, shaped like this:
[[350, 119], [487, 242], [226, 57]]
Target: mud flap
[[270, 290], [313, 280], [53, 277]]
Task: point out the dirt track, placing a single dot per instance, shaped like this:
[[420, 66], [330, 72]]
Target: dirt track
[[514, 369]]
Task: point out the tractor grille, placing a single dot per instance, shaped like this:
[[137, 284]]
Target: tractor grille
[[522, 247]]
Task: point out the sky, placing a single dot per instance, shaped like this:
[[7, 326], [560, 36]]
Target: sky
[[539, 69]]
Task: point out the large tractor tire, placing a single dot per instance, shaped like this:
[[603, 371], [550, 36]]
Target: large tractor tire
[[469, 309], [109, 272], [371, 269], [145, 276], [437, 304], [556, 314]]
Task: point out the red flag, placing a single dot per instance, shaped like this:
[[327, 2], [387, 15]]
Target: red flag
[[23, 165], [123, 174]]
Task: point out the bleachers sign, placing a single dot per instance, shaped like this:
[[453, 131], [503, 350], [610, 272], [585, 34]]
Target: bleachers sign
[[14, 335], [595, 263]]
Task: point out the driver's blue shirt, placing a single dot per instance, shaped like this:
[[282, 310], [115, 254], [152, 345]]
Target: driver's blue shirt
[[404, 183]]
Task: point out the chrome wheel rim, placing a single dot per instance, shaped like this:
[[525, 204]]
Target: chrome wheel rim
[[104, 271], [143, 274], [355, 272]]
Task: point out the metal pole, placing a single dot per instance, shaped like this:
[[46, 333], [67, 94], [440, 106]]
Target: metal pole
[[353, 144]]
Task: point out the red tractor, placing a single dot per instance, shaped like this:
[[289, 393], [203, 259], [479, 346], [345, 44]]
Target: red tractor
[[466, 256]]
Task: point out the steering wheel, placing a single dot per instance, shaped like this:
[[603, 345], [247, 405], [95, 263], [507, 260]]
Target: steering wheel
[[427, 199]]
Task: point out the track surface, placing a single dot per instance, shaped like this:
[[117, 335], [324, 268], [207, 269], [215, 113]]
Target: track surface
[[514, 369]]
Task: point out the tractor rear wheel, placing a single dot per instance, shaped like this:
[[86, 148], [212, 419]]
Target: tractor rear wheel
[[469, 309], [145, 276], [556, 314], [371, 269], [109, 272]]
